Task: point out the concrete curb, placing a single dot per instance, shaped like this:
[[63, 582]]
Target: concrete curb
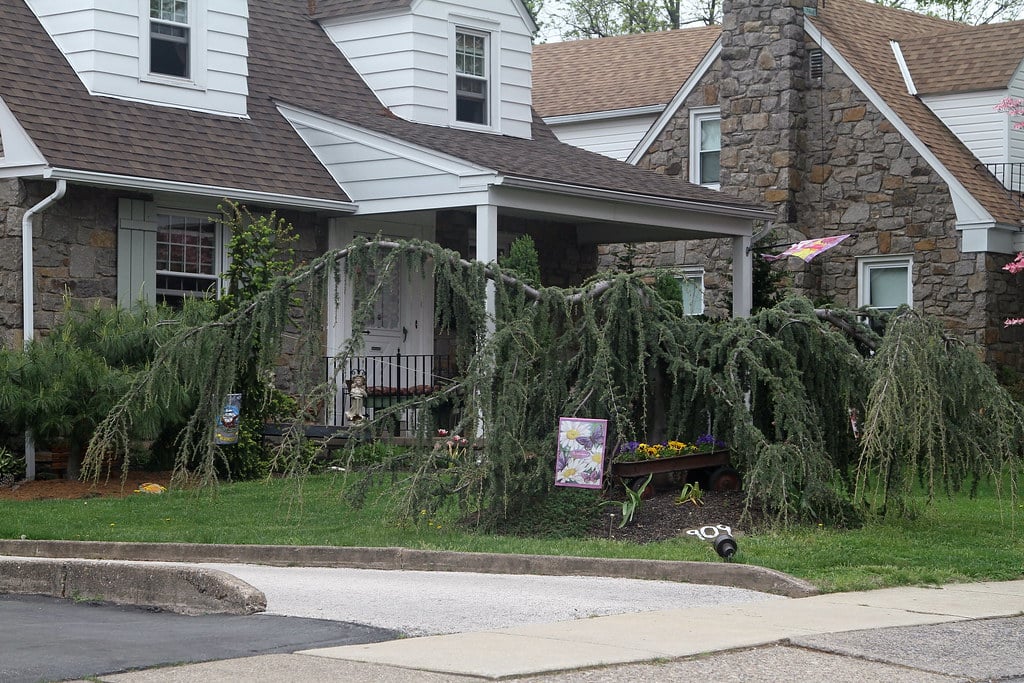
[[718, 574], [186, 590]]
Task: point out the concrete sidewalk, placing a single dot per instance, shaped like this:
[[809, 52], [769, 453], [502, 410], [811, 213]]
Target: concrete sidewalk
[[956, 632]]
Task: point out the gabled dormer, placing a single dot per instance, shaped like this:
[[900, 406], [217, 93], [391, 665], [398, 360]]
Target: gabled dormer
[[441, 62], [962, 75], [181, 53]]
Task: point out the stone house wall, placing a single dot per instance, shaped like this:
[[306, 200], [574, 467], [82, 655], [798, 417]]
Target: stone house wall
[[829, 163], [74, 246]]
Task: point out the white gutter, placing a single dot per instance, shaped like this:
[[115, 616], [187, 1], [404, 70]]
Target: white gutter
[[28, 303], [172, 186], [604, 114], [631, 198]]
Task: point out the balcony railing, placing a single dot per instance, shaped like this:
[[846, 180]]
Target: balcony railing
[[1011, 176], [389, 380]]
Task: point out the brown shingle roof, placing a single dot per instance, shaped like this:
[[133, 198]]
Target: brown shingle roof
[[328, 9], [76, 130], [861, 31], [965, 59], [621, 72], [291, 60]]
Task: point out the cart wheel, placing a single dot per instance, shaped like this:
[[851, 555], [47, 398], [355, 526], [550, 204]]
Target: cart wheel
[[724, 479]]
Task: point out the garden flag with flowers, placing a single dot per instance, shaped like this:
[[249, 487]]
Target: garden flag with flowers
[[808, 249], [580, 458]]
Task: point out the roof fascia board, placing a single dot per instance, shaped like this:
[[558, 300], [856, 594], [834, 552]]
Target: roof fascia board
[[632, 198], [433, 202], [19, 149], [675, 103], [525, 14], [897, 51], [175, 187], [22, 170], [344, 19], [695, 222], [382, 142], [968, 209], [605, 114]]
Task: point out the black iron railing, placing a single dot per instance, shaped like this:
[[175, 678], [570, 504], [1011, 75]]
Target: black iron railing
[[1011, 176], [389, 380]]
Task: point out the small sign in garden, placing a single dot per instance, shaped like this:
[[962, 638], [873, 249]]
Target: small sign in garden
[[580, 458]]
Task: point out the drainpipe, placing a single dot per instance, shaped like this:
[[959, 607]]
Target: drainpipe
[[28, 317]]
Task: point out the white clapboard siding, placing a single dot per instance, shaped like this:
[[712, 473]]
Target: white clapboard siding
[[367, 173], [406, 59], [974, 120], [106, 42], [1016, 155], [612, 137]]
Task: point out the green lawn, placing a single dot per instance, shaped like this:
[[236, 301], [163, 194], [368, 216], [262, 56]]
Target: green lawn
[[953, 540]]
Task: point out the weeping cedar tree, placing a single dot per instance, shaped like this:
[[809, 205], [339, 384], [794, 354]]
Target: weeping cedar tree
[[779, 387]]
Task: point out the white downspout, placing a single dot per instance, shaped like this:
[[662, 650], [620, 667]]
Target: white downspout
[[28, 314]]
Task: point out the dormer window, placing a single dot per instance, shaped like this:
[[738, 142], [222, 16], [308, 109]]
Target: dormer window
[[169, 43], [471, 82]]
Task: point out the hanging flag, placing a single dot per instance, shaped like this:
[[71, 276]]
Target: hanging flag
[[808, 249]]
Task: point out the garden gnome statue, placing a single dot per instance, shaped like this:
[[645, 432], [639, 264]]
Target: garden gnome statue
[[357, 398]]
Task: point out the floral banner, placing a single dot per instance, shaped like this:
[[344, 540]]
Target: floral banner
[[580, 458]]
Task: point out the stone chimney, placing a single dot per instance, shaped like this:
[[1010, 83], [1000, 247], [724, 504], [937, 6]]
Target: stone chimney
[[763, 80]]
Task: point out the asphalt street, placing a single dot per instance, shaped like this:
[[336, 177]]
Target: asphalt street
[[48, 639], [309, 608]]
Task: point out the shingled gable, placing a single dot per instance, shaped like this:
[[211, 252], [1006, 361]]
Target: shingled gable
[[859, 34], [622, 72], [120, 139], [965, 58], [541, 158], [291, 61]]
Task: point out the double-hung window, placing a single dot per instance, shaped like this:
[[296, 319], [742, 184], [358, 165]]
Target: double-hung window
[[885, 282], [705, 146], [691, 285], [472, 86], [169, 38], [186, 257]]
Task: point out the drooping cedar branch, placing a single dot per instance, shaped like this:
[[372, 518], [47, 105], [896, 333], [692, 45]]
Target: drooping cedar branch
[[781, 394]]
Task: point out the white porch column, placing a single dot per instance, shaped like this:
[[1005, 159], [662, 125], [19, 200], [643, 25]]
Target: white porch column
[[742, 277], [487, 249]]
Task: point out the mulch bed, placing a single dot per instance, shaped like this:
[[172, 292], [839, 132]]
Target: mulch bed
[[660, 518], [51, 489]]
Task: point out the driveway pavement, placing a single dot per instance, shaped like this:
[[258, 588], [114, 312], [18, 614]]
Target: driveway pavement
[[518, 627]]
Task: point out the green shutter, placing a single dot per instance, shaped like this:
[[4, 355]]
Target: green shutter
[[136, 251]]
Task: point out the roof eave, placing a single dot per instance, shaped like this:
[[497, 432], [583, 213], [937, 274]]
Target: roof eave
[[731, 210], [192, 189]]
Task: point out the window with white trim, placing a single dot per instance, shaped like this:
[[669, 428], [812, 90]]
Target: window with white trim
[[885, 282], [187, 264], [472, 82], [169, 38], [705, 146], [691, 286]]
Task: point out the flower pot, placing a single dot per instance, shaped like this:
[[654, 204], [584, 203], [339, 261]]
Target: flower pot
[[677, 463]]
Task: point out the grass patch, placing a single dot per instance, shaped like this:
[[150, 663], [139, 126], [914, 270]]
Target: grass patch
[[953, 540]]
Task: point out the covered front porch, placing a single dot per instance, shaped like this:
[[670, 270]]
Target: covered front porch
[[402, 354]]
